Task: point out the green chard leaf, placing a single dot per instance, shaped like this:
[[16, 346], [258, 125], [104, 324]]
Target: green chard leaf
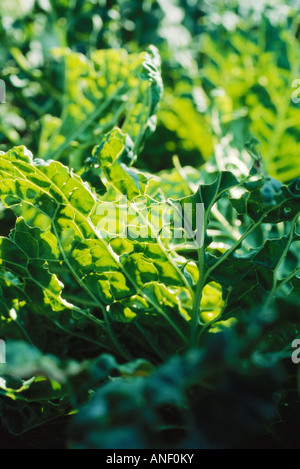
[[112, 88], [115, 279]]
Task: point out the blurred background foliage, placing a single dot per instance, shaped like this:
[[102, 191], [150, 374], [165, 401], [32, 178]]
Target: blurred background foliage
[[227, 67]]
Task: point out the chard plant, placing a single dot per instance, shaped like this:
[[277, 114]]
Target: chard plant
[[116, 281]]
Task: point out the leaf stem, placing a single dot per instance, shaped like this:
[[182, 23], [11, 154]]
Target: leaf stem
[[288, 278], [198, 296], [283, 255]]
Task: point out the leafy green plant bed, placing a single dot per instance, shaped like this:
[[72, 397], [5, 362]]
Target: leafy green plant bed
[[144, 308]]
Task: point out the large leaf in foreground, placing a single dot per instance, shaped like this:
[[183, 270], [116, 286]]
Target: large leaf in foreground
[[122, 280], [112, 88]]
